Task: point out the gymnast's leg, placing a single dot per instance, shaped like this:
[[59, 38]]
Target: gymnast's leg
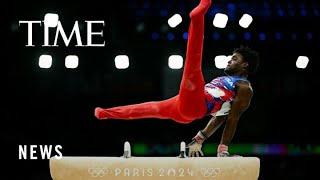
[[166, 109], [191, 95]]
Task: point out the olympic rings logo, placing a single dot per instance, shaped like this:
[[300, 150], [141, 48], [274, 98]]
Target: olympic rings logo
[[210, 172], [98, 172]]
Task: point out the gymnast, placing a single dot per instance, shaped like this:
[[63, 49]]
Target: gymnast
[[225, 97]]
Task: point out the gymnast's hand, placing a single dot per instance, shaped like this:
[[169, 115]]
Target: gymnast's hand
[[196, 144], [222, 151]]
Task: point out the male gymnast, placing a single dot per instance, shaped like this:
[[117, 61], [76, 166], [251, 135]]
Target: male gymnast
[[226, 95]]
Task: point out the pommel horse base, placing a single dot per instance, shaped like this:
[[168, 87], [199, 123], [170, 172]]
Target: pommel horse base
[[155, 168]]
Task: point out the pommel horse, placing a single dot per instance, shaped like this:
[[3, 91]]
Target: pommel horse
[[155, 168]]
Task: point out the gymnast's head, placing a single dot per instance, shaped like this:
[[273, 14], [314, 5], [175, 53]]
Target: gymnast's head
[[244, 61]]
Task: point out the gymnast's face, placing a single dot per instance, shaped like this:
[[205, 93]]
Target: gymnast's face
[[236, 65]]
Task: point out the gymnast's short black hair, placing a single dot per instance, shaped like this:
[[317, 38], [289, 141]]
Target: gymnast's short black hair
[[250, 56]]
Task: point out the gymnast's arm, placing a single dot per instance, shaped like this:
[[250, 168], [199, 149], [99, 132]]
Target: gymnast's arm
[[212, 126], [240, 103], [214, 123]]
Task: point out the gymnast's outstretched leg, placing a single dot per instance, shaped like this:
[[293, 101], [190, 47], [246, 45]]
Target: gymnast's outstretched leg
[[190, 103]]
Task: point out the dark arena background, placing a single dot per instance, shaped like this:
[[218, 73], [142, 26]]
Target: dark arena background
[[55, 105]]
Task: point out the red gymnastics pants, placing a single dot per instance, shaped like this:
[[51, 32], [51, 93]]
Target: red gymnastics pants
[[190, 103]]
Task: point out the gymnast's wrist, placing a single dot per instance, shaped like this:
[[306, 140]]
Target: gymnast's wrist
[[200, 137]]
